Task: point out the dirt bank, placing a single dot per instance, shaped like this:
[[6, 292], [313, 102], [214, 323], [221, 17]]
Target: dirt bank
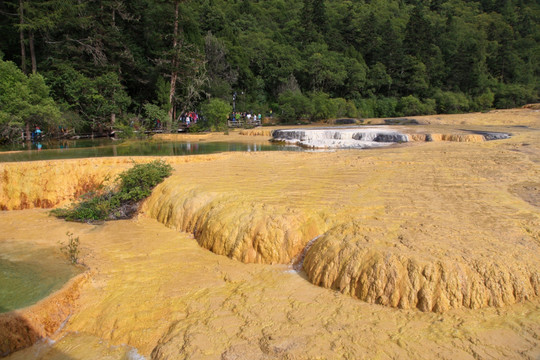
[[45, 184], [21, 328]]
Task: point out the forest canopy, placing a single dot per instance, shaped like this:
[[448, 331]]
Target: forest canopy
[[102, 63]]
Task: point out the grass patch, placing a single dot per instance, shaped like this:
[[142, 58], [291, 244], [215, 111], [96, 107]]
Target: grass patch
[[120, 201]]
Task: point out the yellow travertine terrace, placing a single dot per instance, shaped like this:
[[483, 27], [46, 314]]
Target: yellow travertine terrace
[[421, 250]]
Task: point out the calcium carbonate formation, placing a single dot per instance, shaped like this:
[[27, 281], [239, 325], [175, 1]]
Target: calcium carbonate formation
[[371, 136], [354, 138]]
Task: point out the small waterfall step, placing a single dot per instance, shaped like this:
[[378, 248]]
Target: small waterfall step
[[365, 137], [356, 138]]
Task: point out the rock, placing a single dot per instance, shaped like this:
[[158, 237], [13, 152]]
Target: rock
[[45, 184], [243, 230], [401, 121], [346, 260]]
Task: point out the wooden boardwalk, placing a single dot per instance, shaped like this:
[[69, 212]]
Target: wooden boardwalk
[[242, 123]]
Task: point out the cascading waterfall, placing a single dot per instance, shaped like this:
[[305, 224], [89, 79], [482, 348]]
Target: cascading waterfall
[[372, 136], [357, 138], [299, 261]]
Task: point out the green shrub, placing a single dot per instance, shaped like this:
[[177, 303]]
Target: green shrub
[[24, 101], [137, 183], [294, 106], [509, 96], [484, 101], [429, 106], [200, 126], [288, 112], [386, 107], [154, 112], [410, 106], [125, 131], [366, 107], [322, 106], [134, 185], [449, 102], [216, 112]]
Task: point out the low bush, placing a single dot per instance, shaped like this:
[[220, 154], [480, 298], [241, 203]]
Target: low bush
[[483, 101], [133, 186], [377, 107], [386, 107], [216, 111], [411, 106], [449, 102], [294, 106], [200, 126], [509, 96]]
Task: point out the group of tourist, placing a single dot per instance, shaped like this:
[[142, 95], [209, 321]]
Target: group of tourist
[[245, 117], [189, 118], [34, 135]]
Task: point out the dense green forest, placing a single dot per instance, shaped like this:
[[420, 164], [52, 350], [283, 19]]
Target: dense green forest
[[93, 64]]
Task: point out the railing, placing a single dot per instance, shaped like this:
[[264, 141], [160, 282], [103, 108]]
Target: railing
[[242, 123]]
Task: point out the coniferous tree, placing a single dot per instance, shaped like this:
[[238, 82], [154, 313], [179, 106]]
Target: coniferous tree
[[115, 55]]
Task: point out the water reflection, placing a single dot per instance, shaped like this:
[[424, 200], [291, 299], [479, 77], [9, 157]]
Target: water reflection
[[102, 148], [57, 144]]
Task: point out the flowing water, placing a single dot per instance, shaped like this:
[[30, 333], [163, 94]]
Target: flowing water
[[355, 137], [365, 137]]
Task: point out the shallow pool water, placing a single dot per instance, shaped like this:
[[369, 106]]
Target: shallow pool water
[[29, 273], [57, 144], [105, 148]]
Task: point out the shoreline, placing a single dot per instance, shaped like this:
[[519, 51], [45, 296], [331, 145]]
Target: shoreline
[[22, 328]]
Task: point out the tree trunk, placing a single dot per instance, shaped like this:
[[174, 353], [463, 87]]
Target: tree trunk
[[174, 74], [21, 36], [28, 136], [32, 52]]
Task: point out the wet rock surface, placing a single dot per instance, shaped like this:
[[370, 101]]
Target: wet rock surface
[[490, 135], [361, 137], [333, 137], [346, 121]]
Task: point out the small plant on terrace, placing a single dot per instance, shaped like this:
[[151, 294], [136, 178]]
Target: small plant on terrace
[[137, 183], [122, 202], [71, 249]]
